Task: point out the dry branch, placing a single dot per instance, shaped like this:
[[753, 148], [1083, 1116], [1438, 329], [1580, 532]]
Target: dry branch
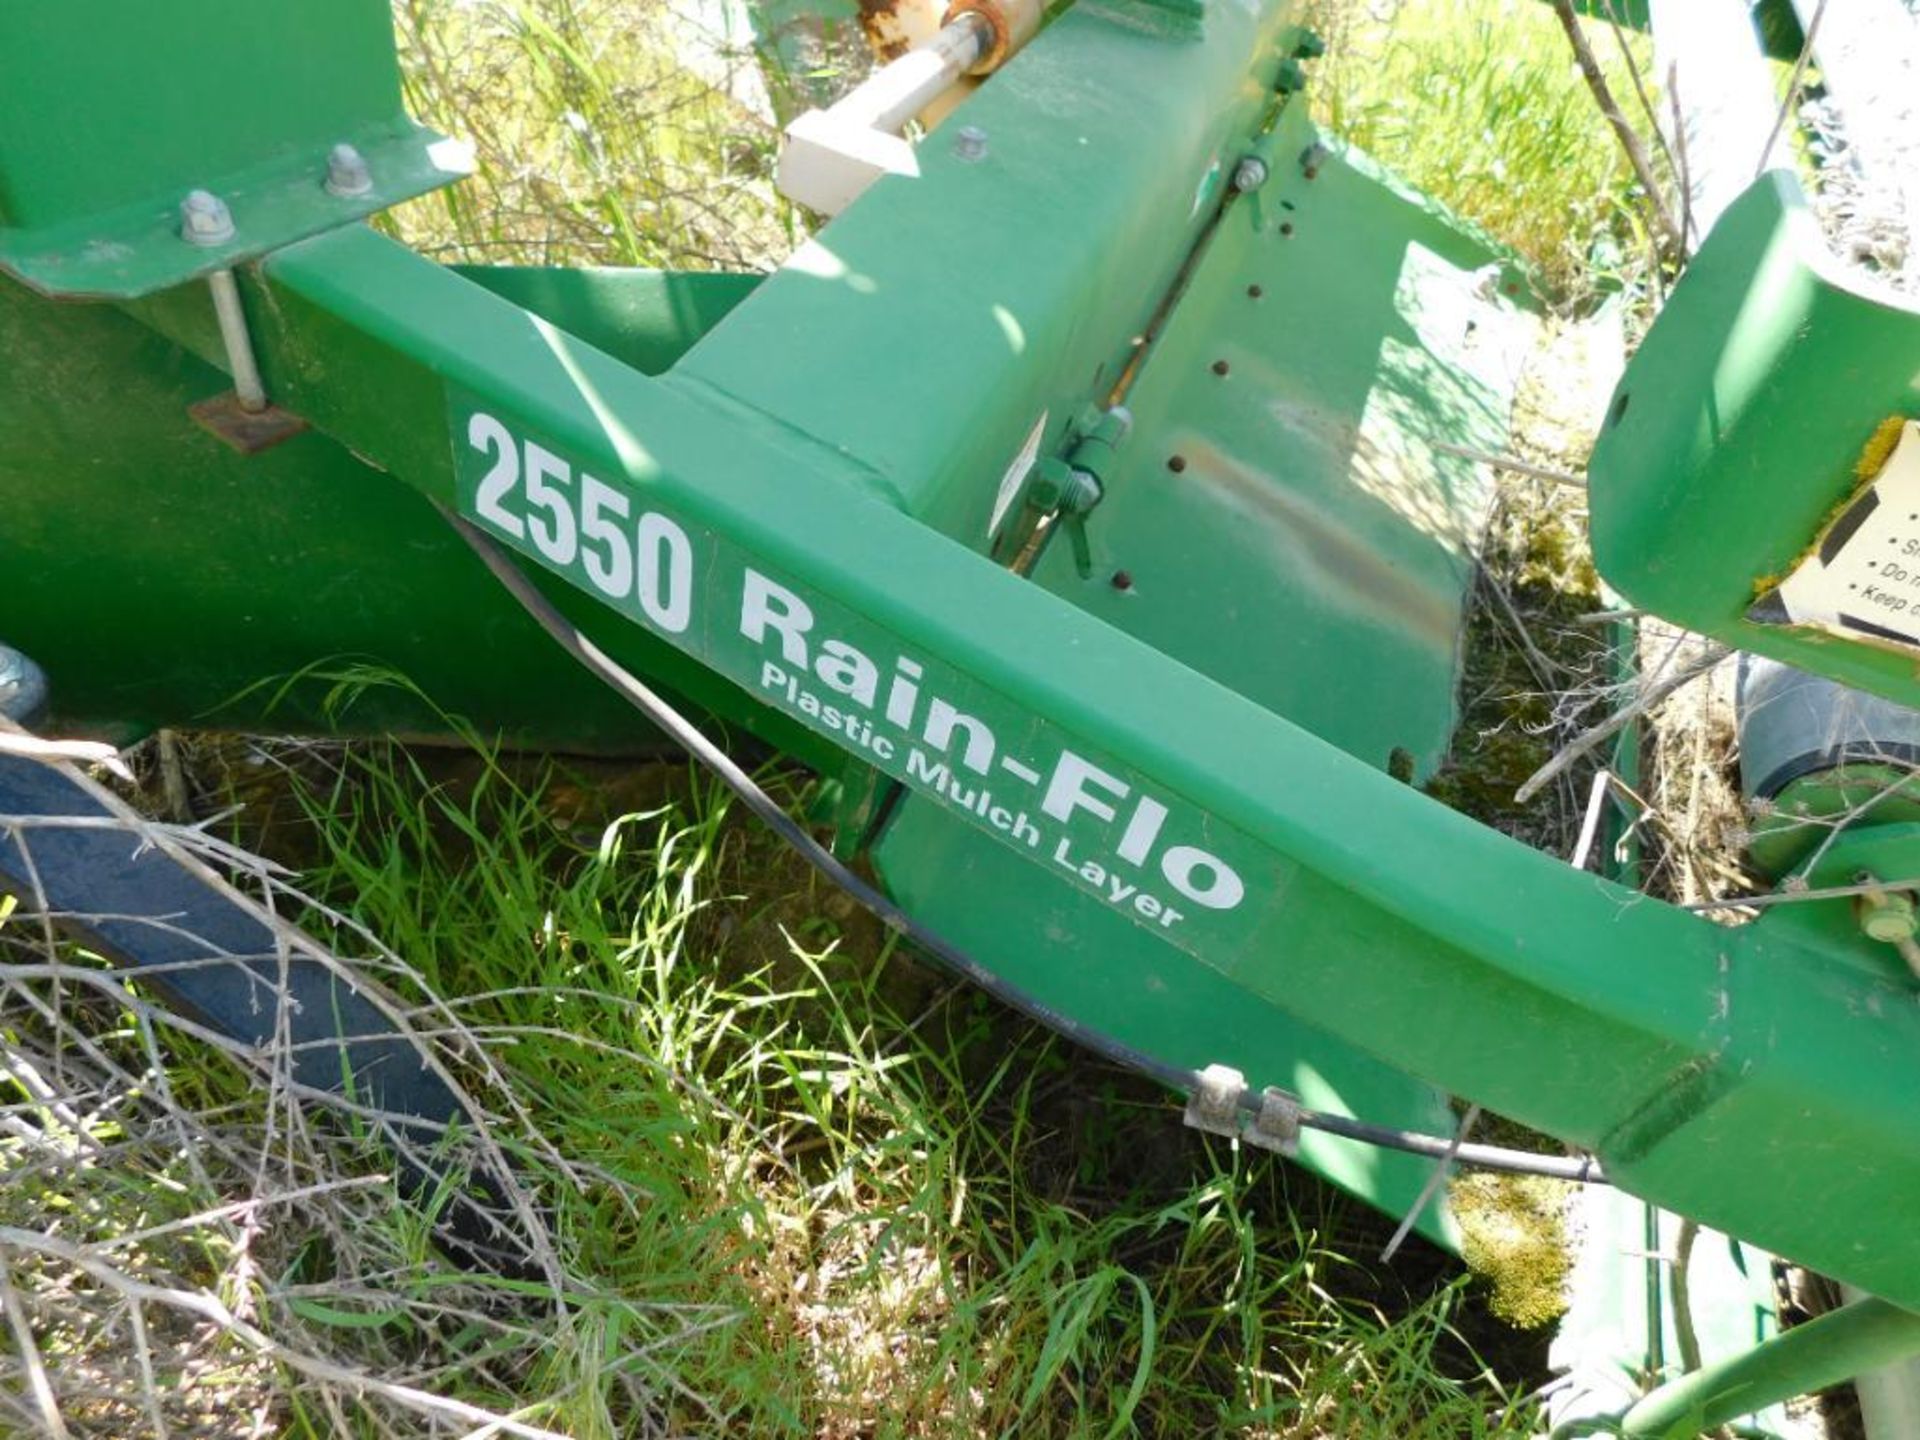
[[1671, 246]]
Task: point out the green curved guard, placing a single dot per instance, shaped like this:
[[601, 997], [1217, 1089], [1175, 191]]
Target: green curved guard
[[1735, 435]]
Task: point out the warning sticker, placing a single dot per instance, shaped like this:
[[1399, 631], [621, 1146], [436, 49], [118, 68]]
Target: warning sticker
[[1863, 578]]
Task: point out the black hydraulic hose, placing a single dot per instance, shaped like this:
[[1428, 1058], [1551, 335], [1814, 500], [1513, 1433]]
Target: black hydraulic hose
[[1582, 1169], [570, 638]]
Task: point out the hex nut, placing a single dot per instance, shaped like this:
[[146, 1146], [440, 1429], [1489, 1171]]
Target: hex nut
[[205, 219], [347, 172]]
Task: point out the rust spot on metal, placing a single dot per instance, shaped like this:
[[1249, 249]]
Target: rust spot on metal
[[884, 24], [1220, 367], [1176, 463], [1122, 580], [247, 431]]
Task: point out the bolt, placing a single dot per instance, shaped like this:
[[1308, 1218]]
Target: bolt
[[1122, 580], [347, 172], [1176, 463], [1286, 227], [1888, 916], [1220, 367], [1309, 46], [970, 144], [1058, 486], [1082, 493], [1310, 159], [1290, 78], [205, 219], [1249, 174]]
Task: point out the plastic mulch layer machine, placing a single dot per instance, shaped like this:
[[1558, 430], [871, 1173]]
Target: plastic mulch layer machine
[[1091, 503]]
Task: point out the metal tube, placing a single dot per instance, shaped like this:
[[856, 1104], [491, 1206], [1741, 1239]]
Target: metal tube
[[247, 384], [1889, 1395], [899, 91], [1838, 1346]]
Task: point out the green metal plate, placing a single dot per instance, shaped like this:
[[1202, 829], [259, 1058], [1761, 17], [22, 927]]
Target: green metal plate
[[112, 110], [1292, 527], [163, 579], [1009, 288]]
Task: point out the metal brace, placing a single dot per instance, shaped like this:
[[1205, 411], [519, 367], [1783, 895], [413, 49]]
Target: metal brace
[[1277, 1126], [1217, 1103], [1214, 1105]]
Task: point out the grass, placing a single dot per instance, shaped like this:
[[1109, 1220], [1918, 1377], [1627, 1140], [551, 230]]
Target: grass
[[809, 1187], [596, 139], [794, 1182], [1478, 104]]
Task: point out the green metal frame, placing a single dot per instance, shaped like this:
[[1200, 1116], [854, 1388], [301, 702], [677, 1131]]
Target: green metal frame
[[838, 440], [1674, 1047]]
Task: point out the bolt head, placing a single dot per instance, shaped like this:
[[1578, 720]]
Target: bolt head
[[347, 172], [1249, 174], [1083, 493], [205, 219], [1889, 918], [970, 143], [1887, 926]]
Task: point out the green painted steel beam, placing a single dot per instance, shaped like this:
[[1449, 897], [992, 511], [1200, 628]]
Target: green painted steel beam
[[915, 342], [1685, 1052]]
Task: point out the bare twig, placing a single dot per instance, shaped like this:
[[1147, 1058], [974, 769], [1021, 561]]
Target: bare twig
[[315, 1367], [1794, 82], [1587, 740], [1514, 464], [1677, 1284], [38, 1385], [1670, 238], [86, 752]]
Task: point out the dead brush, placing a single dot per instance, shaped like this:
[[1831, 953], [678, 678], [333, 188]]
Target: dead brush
[[191, 1245]]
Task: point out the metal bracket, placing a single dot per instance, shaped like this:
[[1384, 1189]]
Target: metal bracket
[[1218, 1102], [1277, 1126], [226, 418], [1214, 1105]]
